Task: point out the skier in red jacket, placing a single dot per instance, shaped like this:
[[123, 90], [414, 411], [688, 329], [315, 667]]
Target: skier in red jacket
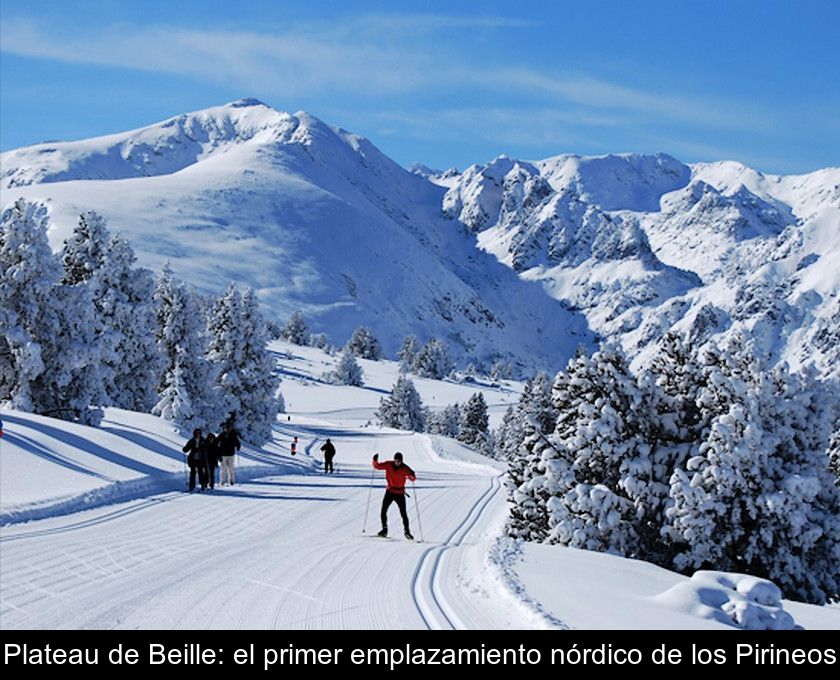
[[396, 472]]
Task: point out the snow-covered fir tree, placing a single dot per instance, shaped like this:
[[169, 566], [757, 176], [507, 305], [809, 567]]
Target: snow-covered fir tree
[[347, 371], [225, 349], [125, 303], [296, 329], [363, 344], [28, 275], [49, 354], [432, 361], [474, 419], [258, 399], [403, 408], [758, 497], [246, 381], [597, 467], [447, 422], [84, 252], [408, 352], [187, 393]]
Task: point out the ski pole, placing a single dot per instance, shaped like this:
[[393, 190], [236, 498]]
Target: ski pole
[[367, 506], [417, 508]]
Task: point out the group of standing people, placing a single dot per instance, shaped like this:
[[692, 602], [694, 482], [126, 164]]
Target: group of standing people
[[205, 454]]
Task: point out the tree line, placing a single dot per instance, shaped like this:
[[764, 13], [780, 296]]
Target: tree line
[[86, 328], [705, 459]]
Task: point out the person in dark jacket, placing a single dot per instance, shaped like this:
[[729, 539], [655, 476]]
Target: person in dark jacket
[[396, 472], [329, 454], [228, 445], [213, 456], [196, 450]]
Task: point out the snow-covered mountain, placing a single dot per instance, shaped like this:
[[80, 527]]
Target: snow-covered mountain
[[626, 247], [312, 216], [645, 244]]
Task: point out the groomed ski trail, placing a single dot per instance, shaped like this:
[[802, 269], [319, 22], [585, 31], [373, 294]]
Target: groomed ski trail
[[280, 551]]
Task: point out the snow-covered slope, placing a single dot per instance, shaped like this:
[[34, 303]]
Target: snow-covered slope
[[312, 216], [97, 531]]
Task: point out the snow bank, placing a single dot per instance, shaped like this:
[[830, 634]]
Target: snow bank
[[739, 600]]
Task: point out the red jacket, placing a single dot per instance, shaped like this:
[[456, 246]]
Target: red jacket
[[395, 476]]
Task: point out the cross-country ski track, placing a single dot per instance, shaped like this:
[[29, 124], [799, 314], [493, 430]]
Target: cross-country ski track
[[284, 550]]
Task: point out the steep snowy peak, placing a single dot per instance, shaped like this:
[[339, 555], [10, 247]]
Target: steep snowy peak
[[805, 194], [616, 181], [477, 195], [314, 218], [599, 262]]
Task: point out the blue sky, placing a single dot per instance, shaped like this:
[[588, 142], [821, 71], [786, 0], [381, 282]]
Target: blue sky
[[445, 83]]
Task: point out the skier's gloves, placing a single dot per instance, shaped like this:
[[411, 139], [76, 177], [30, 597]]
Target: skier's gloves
[[376, 457]]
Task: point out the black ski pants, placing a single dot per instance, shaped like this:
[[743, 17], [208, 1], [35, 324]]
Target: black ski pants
[[328, 466], [202, 475], [399, 499]]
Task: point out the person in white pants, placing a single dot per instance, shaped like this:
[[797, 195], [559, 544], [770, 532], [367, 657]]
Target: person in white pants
[[228, 445], [227, 470]]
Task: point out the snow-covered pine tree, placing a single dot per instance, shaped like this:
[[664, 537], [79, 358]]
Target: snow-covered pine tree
[[674, 379], [363, 344], [28, 276], [403, 408], [408, 353], [474, 419], [758, 497], [50, 342], [125, 304], [529, 515], [258, 399], [296, 329], [187, 393], [347, 371], [225, 350], [448, 421], [432, 361], [84, 252], [597, 468]]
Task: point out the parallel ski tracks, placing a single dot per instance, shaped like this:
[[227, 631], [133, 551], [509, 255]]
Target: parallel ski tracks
[[436, 612]]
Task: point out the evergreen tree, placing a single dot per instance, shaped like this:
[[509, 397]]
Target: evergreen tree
[[446, 423], [296, 329], [186, 390], [408, 352], [364, 344], [758, 497], [597, 468], [84, 251], [259, 400], [246, 381], [402, 409], [124, 301], [49, 354], [347, 371], [474, 419], [433, 361]]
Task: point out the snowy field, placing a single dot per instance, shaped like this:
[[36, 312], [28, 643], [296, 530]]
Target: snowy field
[[97, 531]]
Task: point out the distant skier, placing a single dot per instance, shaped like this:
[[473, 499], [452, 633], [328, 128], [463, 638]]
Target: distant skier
[[396, 472], [329, 454], [294, 446], [196, 450], [229, 444]]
